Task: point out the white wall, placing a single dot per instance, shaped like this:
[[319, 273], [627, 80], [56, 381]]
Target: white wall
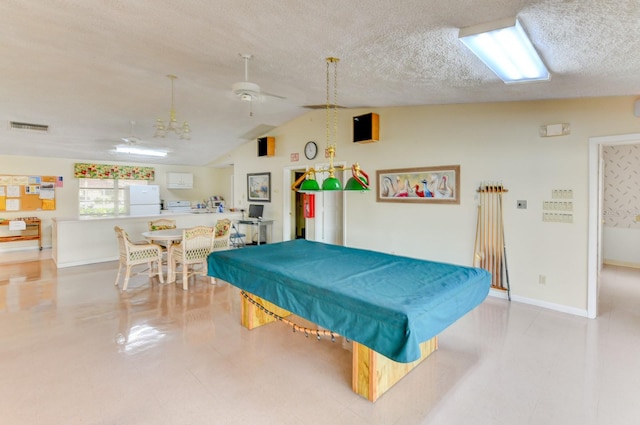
[[492, 141]]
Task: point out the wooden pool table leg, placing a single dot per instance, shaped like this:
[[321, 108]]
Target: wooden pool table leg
[[372, 374], [252, 317]]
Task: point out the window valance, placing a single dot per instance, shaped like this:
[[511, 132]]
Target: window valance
[[107, 171]]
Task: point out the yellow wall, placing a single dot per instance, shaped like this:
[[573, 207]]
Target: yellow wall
[[491, 142]]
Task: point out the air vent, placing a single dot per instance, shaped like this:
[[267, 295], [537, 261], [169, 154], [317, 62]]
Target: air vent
[[24, 126]]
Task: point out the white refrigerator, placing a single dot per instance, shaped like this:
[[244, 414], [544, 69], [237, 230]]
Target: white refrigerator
[[143, 200]]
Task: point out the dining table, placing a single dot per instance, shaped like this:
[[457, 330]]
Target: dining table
[[168, 237]]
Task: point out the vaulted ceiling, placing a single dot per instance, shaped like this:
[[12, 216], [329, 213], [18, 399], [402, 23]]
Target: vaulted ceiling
[[88, 68]]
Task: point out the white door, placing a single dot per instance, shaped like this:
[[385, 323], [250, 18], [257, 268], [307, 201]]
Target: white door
[[329, 221]]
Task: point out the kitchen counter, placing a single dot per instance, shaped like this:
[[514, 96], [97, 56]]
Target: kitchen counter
[[77, 242], [191, 211]]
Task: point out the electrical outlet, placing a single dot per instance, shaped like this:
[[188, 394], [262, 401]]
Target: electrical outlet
[[522, 205], [542, 279]]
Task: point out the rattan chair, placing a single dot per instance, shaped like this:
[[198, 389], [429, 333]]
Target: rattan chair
[[162, 224], [222, 235], [133, 254], [197, 244]]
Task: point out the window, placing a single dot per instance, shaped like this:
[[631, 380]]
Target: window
[[104, 197]]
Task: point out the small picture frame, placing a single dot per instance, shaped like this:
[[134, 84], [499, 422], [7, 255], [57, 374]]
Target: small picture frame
[[259, 187], [423, 185]]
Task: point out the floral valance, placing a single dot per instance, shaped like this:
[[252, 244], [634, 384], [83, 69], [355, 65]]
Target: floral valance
[[107, 171]]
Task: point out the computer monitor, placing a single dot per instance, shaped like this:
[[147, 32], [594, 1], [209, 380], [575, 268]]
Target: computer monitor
[[255, 211]]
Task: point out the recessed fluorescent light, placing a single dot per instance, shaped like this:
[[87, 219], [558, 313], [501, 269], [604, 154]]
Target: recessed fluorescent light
[[505, 48], [139, 151]]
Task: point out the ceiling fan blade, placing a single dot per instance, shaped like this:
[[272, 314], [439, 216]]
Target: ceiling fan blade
[[273, 95]]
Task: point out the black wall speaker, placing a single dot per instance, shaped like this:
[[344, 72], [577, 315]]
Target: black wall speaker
[[266, 146], [366, 128]]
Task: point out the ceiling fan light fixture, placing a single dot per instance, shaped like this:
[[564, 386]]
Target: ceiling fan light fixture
[[246, 91], [506, 49]]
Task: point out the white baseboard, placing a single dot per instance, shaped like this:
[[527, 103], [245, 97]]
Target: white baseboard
[[544, 304], [84, 262], [24, 248], [621, 263]]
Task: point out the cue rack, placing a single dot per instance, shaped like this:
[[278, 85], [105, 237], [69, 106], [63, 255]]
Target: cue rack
[[490, 251]]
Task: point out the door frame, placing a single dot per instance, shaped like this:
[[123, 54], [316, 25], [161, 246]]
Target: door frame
[[594, 245], [288, 207]]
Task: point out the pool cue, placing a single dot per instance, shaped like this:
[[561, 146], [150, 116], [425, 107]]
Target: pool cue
[[504, 247], [496, 235], [476, 245], [492, 223], [496, 232], [485, 256], [490, 236]]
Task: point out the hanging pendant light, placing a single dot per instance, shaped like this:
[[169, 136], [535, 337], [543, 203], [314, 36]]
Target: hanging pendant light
[[332, 182], [307, 182], [359, 179], [161, 130]]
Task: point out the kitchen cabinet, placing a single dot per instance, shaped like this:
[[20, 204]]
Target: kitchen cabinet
[[179, 181]]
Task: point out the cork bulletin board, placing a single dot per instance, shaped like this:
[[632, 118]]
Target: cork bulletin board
[[28, 193]]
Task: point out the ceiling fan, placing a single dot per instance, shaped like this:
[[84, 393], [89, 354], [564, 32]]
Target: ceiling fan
[[132, 139], [247, 91], [133, 145]]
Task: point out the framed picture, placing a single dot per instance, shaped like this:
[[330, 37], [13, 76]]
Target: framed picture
[[259, 187], [420, 185]]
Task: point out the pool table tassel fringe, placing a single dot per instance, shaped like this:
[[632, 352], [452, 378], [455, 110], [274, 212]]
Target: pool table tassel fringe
[[296, 328]]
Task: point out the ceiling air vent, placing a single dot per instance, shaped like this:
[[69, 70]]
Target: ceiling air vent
[[25, 126]]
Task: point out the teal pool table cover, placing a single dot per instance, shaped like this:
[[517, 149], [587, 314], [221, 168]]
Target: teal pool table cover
[[386, 302]]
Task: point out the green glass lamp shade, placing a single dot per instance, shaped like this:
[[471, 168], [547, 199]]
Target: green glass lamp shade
[[331, 183], [353, 184], [309, 185]]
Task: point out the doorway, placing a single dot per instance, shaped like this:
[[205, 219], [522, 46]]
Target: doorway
[[596, 184], [328, 223], [300, 223]]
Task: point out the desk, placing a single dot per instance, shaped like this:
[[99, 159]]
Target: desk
[[267, 225], [393, 306], [166, 235]]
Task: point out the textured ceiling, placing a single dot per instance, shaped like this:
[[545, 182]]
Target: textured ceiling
[[87, 68]]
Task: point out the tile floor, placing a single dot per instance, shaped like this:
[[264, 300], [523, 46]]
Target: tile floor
[[74, 350]]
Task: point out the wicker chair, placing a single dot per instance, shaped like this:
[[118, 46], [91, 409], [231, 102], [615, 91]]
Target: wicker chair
[[222, 235], [162, 224], [194, 249], [133, 254]]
